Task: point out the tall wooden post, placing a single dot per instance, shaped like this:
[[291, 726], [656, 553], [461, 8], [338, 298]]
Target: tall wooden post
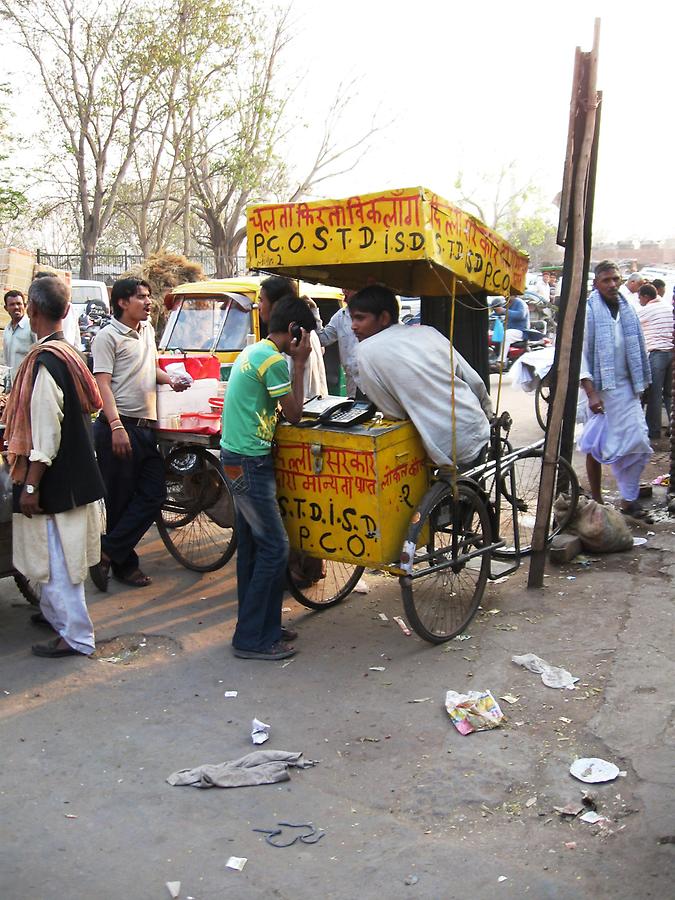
[[583, 114]]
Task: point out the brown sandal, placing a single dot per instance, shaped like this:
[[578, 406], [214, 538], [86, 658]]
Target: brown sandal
[[135, 579]]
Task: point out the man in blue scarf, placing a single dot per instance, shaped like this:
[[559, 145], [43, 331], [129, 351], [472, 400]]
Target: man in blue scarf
[[614, 372]]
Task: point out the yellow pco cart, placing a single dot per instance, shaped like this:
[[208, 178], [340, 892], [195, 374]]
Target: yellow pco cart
[[368, 496]]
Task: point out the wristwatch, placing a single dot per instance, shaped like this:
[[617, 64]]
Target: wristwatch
[[29, 488]]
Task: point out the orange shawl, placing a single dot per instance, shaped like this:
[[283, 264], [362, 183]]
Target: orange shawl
[[18, 433]]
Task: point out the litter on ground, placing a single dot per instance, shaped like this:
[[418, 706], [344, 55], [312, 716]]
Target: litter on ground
[[173, 888], [552, 676], [473, 711], [593, 770], [402, 625], [259, 731], [236, 862]]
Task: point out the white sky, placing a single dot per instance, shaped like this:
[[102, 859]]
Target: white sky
[[474, 85]]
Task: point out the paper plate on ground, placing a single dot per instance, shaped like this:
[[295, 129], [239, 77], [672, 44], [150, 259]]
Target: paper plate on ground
[[593, 770]]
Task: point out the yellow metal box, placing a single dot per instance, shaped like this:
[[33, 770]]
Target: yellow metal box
[[349, 494]]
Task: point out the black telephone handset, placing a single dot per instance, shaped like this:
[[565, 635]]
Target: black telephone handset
[[346, 416], [296, 331]]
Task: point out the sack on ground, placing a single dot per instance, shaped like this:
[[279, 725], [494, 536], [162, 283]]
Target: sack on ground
[[602, 529]]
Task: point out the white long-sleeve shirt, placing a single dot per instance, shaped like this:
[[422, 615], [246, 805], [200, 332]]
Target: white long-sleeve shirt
[[339, 329]]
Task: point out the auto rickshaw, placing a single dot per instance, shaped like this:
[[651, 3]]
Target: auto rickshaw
[[216, 317]]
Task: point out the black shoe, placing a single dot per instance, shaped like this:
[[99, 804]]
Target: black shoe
[[276, 651]]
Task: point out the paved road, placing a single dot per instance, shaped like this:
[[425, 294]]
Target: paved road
[[402, 797]]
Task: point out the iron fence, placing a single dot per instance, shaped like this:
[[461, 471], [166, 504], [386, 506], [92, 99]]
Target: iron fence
[[109, 266]]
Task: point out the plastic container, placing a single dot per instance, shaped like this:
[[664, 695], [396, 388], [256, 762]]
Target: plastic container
[[216, 404], [210, 421], [190, 420]]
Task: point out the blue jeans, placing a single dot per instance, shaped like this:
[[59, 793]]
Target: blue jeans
[[658, 392], [262, 550]]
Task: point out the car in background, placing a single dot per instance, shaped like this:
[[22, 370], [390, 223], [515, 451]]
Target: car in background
[[87, 294]]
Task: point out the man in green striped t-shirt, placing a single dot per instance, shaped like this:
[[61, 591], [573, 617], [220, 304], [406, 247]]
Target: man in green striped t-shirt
[[258, 384]]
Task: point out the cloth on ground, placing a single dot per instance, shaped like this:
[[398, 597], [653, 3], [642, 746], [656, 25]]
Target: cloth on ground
[[259, 767]]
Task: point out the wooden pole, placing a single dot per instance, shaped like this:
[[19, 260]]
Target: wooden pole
[[577, 199]]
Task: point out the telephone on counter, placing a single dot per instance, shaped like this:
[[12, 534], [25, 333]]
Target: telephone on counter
[[339, 411]]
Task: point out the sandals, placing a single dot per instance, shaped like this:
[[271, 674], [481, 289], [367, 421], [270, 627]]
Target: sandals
[[51, 649], [635, 510], [288, 635], [136, 579]]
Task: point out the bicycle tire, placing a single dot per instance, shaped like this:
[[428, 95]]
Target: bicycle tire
[[528, 475], [30, 590], [204, 538], [441, 604], [542, 396], [334, 586]]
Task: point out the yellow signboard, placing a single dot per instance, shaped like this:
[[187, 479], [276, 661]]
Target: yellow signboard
[[409, 239]]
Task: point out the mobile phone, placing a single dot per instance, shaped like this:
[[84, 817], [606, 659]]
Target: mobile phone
[[296, 331]]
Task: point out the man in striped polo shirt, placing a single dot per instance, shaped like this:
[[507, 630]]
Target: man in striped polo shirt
[[656, 319]]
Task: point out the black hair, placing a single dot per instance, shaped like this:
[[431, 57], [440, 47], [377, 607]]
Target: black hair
[[50, 296], [123, 289], [13, 293], [375, 299], [276, 287], [659, 283], [647, 290], [291, 309], [604, 266]]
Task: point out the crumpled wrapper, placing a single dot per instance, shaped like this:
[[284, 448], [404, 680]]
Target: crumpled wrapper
[[473, 711]]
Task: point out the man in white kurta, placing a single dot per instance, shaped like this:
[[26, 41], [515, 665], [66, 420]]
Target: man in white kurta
[[614, 372], [57, 550], [58, 508]]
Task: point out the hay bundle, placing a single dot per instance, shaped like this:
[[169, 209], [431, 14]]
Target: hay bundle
[[164, 271]]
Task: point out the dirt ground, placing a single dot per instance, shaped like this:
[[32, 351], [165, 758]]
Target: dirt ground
[[409, 807]]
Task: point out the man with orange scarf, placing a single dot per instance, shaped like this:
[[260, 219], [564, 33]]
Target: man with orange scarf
[[58, 490]]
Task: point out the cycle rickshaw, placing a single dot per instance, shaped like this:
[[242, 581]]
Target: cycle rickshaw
[[366, 496]]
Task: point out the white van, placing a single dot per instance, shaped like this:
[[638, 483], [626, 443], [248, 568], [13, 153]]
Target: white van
[[84, 292]]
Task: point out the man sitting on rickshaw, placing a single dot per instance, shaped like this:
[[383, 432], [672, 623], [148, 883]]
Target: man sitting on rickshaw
[[406, 373]]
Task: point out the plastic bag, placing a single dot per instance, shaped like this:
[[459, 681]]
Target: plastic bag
[[602, 529]]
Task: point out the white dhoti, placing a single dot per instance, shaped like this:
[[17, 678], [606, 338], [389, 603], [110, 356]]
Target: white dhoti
[[63, 603], [619, 438]]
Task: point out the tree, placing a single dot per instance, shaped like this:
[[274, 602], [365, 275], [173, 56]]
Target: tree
[[13, 202], [237, 148], [511, 206], [95, 60]]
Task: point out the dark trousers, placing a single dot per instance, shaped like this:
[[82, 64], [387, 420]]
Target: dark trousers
[[262, 550], [658, 392], [135, 492]]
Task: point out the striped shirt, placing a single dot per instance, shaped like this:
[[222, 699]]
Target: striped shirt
[[656, 319]]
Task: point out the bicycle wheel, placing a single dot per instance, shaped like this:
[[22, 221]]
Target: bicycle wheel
[[333, 582], [30, 590], [177, 509], [542, 397], [527, 472], [440, 604], [201, 535]]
